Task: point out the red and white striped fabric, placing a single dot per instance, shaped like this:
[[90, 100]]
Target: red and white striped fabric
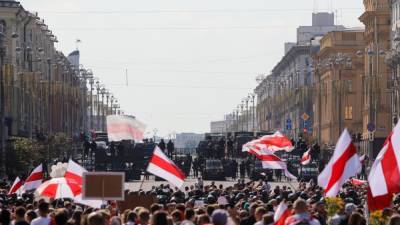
[[74, 172], [282, 213], [277, 142], [58, 188], [17, 187], [35, 179], [254, 147], [124, 127], [161, 166], [271, 161], [345, 163], [357, 182], [306, 158], [384, 176], [74, 175]]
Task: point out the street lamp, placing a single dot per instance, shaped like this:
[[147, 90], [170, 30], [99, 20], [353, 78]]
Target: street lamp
[[252, 97]]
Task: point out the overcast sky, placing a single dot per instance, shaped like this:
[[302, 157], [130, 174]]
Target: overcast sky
[[189, 61]]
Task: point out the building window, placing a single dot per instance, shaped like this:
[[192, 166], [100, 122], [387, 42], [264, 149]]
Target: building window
[[349, 85], [348, 113]]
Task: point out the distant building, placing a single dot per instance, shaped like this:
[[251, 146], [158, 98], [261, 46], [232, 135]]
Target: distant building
[[73, 58], [187, 140], [322, 23], [218, 126]]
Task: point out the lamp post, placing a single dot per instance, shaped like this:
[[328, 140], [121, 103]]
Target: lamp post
[[242, 117], [103, 92], [2, 104], [98, 104], [252, 97], [91, 82], [49, 96]]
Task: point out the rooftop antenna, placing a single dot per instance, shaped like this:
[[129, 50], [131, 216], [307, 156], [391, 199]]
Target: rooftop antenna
[[77, 42], [315, 6], [126, 77]]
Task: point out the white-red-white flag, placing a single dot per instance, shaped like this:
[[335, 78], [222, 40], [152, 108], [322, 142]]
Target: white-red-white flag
[[357, 182], [345, 163], [306, 158], [35, 179], [17, 187], [271, 161], [384, 177], [277, 142], [124, 127], [73, 176], [161, 166], [282, 213]]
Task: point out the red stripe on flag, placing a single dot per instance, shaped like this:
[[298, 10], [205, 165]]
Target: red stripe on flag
[[339, 166], [16, 187], [71, 177], [391, 170], [123, 127], [168, 166], [270, 158], [35, 177]]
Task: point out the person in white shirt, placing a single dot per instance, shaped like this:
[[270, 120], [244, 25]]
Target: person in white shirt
[[43, 211]]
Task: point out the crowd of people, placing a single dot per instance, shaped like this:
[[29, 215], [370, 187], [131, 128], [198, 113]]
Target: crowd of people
[[251, 203]]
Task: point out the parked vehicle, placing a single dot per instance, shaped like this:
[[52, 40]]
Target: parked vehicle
[[213, 170]]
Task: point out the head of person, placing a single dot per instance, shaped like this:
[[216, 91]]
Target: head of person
[[5, 217], [61, 217], [96, 218], [220, 217], [300, 206], [131, 217], [268, 219], [205, 219], [394, 220], [20, 213], [144, 216], [30, 215], [176, 216], [43, 208], [260, 211], [159, 218], [356, 219], [190, 214], [349, 208], [115, 220]]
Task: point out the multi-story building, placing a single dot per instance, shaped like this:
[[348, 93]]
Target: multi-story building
[[338, 92], [42, 92], [376, 101], [393, 61], [285, 96]]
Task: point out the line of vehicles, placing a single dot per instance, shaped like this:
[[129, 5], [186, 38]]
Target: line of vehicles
[[218, 157]]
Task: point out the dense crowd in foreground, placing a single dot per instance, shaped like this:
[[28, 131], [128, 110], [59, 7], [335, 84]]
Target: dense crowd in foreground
[[253, 203]]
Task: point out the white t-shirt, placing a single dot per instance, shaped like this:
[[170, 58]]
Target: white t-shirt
[[41, 221]]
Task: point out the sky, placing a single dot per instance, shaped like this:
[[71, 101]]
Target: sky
[[188, 62]]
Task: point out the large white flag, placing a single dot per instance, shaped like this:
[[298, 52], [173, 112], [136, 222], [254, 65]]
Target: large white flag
[[124, 127], [344, 164]]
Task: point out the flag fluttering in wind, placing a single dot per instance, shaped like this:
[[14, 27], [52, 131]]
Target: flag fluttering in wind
[[17, 187], [264, 148], [271, 161], [345, 163], [384, 176], [35, 179], [161, 166], [357, 182], [306, 158], [277, 142], [124, 127], [74, 175], [282, 213]]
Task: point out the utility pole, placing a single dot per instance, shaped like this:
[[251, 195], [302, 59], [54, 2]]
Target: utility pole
[[2, 106]]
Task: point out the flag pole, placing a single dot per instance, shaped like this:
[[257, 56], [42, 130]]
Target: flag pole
[[141, 183]]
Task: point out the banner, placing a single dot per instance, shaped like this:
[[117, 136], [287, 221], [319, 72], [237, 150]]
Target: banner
[[124, 127]]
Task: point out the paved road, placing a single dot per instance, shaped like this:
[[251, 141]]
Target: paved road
[[147, 184]]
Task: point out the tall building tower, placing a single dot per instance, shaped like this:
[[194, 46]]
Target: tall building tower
[[376, 98]]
